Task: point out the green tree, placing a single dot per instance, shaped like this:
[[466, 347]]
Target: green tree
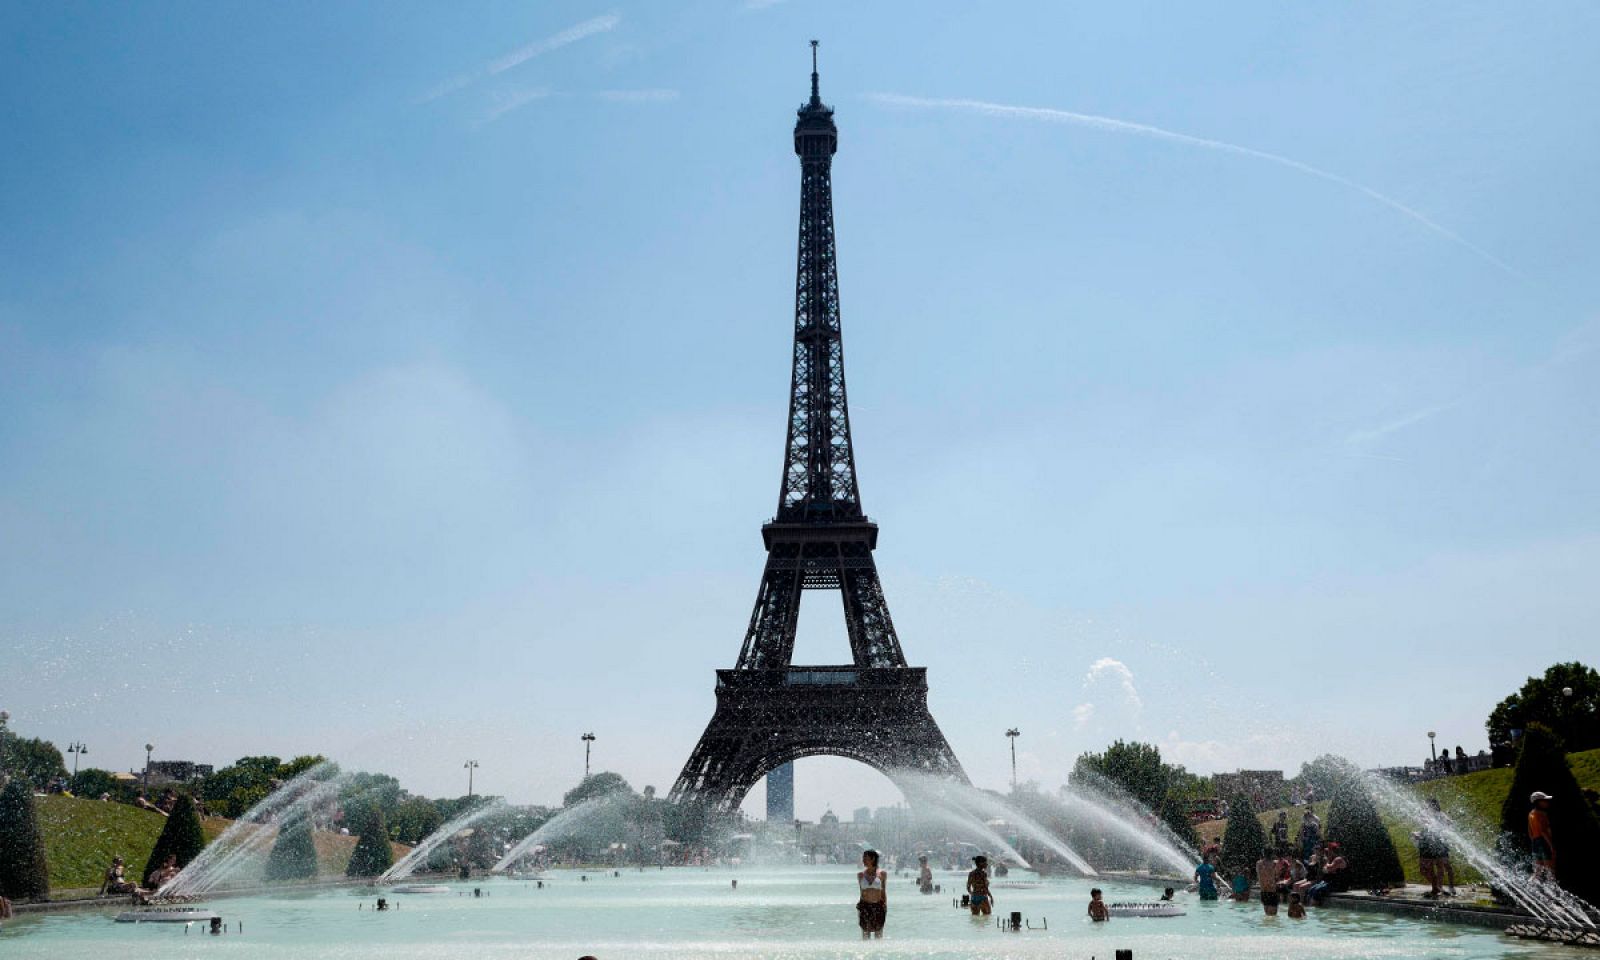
[[1243, 839], [1353, 823], [1325, 773], [1543, 700], [599, 785], [181, 837], [1134, 767], [24, 874], [91, 782], [414, 818], [1542, 765], [294, 854], [372, 854], [37, 760], [1175, 816]]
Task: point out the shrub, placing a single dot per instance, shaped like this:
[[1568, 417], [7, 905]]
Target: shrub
[[23, 872], [1175, 815], [181, 837], [372, 854], [1542, 765], [1243, 839], [1353, 823], [294, 855]]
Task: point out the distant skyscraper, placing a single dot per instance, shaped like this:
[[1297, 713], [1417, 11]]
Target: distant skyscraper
[[780, 793]]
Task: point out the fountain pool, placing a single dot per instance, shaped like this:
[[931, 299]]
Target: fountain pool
[[795, 913]]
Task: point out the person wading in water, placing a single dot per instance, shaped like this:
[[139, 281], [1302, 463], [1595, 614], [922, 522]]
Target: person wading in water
[[873, 907], [981, 901]]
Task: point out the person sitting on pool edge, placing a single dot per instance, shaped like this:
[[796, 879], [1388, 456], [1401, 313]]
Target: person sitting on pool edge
[[979, 897], [1097, 907]]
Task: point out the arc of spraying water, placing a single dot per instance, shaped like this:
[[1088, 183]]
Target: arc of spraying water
[[564, 824], [244, 841], [408, 864]]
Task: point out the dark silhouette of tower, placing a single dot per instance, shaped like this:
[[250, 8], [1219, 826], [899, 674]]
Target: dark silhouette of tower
[[769, 711]]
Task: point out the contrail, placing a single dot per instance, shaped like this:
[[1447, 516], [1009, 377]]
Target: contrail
[[570, 35], [522, 55], [1113, 125]]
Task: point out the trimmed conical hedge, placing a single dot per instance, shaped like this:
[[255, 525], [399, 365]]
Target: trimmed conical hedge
[[372, 854], [181, 837], [1542, 765], [24, 874], [293, 856], [1244, 839], [1354, 824]]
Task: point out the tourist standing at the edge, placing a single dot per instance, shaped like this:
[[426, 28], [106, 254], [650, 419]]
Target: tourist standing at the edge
[[1280, 831], [1539, 838], [1205, 880], [873, 907], [1267, 876], [1310, 832], [978, 896]]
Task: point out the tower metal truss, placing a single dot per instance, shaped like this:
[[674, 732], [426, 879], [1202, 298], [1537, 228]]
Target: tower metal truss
[[770, 711]]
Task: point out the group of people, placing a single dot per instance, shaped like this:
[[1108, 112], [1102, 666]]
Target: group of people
[[1279, 876], [872, 905], [116, 882]]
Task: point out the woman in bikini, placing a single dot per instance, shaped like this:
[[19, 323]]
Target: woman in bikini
[[873, 907]]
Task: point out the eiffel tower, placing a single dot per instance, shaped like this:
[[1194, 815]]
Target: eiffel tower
[[769, 710]]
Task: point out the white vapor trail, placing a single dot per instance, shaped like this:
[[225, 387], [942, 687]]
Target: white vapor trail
[[522, 55], [570, 35], [1113, 125]]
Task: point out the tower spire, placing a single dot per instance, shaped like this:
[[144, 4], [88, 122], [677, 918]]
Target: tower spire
[[816, 96]]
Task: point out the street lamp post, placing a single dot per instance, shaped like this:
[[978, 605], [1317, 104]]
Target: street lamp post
[[148, 748], [469, 766], [588, 741], [1431, 747], [1012, 735], [77, 750]]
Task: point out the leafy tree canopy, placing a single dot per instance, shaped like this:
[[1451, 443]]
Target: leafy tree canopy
[[1575, 719], [599, 785], [1134, 767], [37, 760], [1326, 773]]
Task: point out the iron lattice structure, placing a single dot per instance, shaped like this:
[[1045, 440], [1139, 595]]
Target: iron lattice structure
[[769, 711]]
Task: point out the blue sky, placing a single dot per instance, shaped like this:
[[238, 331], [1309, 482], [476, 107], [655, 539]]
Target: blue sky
[[407, 382]]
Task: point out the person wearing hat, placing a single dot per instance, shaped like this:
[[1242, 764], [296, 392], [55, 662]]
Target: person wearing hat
[[978, 895], [1539, 839]]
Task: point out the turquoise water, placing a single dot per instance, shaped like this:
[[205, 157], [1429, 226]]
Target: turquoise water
[[804, 913]]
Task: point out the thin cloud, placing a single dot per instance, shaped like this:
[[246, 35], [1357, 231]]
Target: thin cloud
[[507, 101], [522, 55], [1361, 437], [1113, 125], [572, 34], [760, 4], [637, 96]]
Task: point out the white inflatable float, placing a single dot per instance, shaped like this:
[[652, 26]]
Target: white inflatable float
[[168, 915], [1160, 908]]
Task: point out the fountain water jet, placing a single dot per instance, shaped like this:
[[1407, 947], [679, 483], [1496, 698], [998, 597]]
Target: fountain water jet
[[567, 823], [980, 805], [408, 864], [1111, 810], [243, 843], [1545, 901]]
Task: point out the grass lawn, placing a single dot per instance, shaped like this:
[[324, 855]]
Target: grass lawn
[[81, 837], [1472, 800]]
